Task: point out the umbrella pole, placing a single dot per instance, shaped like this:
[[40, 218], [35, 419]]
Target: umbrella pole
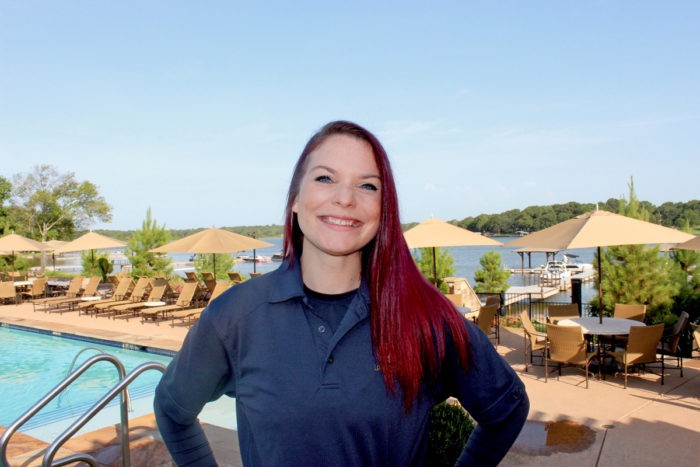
[[213, 256], [434, 268], [600, 289], [254, 262]]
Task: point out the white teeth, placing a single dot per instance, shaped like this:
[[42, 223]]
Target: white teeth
[[332, 220]]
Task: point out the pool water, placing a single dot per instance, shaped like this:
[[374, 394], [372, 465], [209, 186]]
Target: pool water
[[32, 363]]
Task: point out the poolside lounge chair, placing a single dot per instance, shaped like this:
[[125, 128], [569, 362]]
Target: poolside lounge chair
[[8, 292], [67, 303], [188, 317], [566, 345], [641, 347], [37, 290], [235, 277], [184, 301], [74, 288], [141, 287], [159, 286], [120, 293], [535, 341], [209, 281]]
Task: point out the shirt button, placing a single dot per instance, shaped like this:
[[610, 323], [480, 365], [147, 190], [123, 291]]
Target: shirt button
[[321, 329], [330, 360]]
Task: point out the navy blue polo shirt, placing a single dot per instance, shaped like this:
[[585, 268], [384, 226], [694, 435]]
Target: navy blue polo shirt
[[306, 395]]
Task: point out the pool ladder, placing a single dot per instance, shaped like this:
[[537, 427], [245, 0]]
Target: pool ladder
[[118, 389]]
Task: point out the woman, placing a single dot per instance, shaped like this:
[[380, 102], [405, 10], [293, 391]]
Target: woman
[[337, 357]]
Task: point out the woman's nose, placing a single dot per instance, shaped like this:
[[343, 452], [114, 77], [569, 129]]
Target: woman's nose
[[344, 195]]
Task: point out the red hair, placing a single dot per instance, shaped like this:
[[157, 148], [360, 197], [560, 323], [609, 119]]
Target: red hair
[[409, 317]]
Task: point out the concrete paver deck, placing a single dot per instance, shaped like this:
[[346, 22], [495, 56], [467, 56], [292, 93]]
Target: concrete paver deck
[[643, 424]]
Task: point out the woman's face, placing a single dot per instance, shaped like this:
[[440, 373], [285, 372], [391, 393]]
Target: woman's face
[[339, 201]]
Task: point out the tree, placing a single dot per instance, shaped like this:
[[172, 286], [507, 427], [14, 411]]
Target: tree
[[491, 278], [205, 263], [638, 273], [143, 261], [5, 195], [47, 200], [444, 265]]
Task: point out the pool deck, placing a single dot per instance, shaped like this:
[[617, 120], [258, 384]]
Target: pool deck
[[643, 424]]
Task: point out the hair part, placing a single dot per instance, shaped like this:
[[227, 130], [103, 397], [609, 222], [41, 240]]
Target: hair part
[[409, 316]]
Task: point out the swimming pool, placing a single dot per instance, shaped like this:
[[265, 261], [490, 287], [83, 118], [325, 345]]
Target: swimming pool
[[32, 363]]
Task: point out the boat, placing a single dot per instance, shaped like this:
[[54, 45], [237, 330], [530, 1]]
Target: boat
[[277, 256], [555, 274], [257, 259], [575, 267]]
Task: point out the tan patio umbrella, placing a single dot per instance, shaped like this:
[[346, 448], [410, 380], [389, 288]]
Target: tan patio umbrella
[[692, 244], [14, 242], [213, 240], [432, 233], [90, 241], [598, 229]]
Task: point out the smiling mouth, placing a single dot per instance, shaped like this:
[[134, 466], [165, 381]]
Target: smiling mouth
[[341, 222]]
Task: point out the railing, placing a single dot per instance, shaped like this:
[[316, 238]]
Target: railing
[[536, 308], [118, 389]]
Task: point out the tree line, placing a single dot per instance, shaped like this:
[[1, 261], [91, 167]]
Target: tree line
[[682, 215], [45, 204]]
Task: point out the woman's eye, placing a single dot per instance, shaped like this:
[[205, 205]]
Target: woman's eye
[[323, 179], [369, 186]]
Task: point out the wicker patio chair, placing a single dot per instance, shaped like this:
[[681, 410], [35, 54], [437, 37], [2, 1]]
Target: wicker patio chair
[[556, 313], [535, 341], [566, 345], [630, 311], [641, 348], [670, 343], [8, 293], [485, 320]]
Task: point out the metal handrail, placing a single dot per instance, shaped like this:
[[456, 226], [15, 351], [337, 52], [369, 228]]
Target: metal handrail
[[60, 387], [119, 388]]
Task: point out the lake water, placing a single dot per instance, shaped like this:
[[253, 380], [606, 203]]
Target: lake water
[[466, 262]]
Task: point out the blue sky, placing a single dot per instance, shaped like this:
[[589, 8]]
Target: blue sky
[[200, 109]]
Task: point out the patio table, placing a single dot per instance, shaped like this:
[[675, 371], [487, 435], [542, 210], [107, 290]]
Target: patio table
[[591, 326]]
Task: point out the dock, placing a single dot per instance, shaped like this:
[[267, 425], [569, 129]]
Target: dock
[[518, 293]]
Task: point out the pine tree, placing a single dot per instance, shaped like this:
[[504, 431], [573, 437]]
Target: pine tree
[[491, 278], [143, 261], [444, 265], [205, 263]]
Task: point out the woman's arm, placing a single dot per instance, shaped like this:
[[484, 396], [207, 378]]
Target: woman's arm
[[199, 373], [493, 395]]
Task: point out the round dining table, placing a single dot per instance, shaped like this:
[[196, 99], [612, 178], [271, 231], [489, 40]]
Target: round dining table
[[609, 326]]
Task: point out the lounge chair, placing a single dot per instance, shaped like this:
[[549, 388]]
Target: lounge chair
[[641, 347], [67, 303], [209, 281], [235, 277], [535, 341], [191, 315], [37, 290], [139, 290], [120, 293], [8, 293], [184, 301], [159, 286], [74, 288], [566, 345]]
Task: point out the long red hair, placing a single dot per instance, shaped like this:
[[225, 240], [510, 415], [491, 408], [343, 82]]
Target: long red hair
[[409, 317]]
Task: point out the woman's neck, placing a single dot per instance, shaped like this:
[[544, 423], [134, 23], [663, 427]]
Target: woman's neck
[[331, 274]]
